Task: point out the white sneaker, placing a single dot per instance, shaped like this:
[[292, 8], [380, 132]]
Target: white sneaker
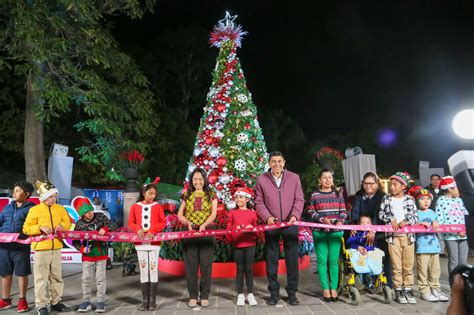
[[429, 297], [410, 296], [400, 296], [440, 295], [251, 299], [240, 300]]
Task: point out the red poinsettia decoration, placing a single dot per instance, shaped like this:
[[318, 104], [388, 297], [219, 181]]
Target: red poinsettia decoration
[[327, 152], [133, 157]]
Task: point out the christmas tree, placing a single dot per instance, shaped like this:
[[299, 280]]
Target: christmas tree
[[229, 144]]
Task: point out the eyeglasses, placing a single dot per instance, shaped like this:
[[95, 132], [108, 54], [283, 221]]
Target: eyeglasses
[[368, 184]]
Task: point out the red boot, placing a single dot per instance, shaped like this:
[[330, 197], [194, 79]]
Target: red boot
[[22, 305]]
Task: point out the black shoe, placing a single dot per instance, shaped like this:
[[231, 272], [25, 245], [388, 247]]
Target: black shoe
[[443, 255], [292, 300], [59, 307], [42, 310], [273, 300], [327, 299], [335, 299]]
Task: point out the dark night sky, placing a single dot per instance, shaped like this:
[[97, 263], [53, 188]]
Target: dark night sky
[[340, 67]]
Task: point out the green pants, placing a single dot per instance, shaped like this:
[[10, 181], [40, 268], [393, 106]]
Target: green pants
[[327, 246]]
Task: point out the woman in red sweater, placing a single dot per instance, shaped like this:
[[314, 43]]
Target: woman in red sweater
[[243, 244], [146, 219]]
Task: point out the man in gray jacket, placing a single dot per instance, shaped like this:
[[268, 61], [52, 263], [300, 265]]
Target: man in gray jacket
[[279, 198]]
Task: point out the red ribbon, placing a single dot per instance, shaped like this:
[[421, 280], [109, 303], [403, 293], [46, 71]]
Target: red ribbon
[[168, 236]]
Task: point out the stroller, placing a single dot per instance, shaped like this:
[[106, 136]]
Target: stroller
[[352, 265]]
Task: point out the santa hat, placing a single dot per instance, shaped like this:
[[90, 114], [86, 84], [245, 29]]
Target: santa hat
[[244, 191], [45, 190], [419, 192], [447, 182], [402, 177], [82, 205]]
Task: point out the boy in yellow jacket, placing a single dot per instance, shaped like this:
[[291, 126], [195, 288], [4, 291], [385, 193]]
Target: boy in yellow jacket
[[47, 218]]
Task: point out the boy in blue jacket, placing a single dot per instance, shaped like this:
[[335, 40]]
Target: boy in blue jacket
[[359, 241], [15, 257]]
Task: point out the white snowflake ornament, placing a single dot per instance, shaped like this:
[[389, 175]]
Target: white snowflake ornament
[[242, 138], [242, 98], [240, 165]]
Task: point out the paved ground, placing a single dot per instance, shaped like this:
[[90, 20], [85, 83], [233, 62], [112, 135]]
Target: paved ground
[[124, 296]]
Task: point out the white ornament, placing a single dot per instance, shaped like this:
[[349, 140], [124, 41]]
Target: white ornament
[[230, 205], [224, 179], [224, 168], [206, 162], [231, 82], [246, 113], [197, 151], [242, 137], [240, 165], [257, 125], [242, 98], [218, 134], [191, 168], [213, 151]]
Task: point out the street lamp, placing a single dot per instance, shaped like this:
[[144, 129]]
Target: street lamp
[[463, 124]]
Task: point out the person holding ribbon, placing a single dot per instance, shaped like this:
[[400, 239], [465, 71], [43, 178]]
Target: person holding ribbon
[[279, 198], [147, 218], [15, 257], [327, 206], [94, 253], [399, 210], [450, 209], [427, 248], [46, 219], [197, 212], [243, 243], [367, 203]]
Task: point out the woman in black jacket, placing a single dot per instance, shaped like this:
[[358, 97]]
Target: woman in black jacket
[[367, 203]]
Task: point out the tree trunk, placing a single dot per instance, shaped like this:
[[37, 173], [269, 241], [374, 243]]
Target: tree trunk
[[35, 162]]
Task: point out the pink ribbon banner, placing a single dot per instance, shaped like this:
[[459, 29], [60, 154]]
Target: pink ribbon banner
[[168, 236]]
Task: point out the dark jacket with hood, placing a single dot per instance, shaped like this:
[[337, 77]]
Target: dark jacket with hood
[[12, 219]]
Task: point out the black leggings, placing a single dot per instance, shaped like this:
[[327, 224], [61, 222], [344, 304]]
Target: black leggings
[[243, 258]]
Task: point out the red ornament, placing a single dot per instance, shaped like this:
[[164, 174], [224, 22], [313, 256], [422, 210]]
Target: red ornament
[[216, 141], [220, 107], [222, 161], [209, 140], [207, 167], [247, 126], [220, 187], [220, 207], [212, 178]]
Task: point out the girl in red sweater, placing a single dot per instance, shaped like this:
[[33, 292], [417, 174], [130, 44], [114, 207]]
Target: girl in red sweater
[[243, 243], [146, 219]]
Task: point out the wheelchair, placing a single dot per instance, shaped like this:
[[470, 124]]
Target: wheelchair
[[348, 277]]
